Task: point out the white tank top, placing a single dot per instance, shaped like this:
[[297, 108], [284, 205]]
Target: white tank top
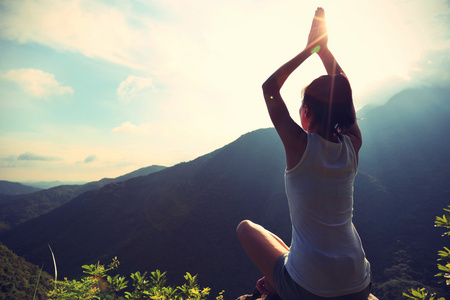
[[326, 255]]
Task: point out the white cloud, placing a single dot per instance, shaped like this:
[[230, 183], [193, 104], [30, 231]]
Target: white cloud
[[92, 28], [128, 127], [8, 161], [132, 86], [37, 83]]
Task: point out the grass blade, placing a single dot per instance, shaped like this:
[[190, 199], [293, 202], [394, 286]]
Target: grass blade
[[54, 263], [37, 283]]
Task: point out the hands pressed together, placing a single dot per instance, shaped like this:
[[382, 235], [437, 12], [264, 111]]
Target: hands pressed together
[[318, 36]]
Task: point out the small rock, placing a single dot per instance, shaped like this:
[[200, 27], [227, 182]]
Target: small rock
[[256, 295]]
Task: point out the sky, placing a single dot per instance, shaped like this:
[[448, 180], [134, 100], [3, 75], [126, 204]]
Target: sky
[[92, 89]]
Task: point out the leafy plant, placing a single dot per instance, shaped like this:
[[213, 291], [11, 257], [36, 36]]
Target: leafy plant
[[421, 294], [154, 288], [100, 285], [444, 255]]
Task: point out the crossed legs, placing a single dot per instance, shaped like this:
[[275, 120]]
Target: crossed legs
[[263, 248]]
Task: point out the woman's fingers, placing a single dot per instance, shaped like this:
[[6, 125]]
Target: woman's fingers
[[318, 34], [319, 17], [260, 286], [320, 12]]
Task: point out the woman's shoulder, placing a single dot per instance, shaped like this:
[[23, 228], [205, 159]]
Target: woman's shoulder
[[354, 133], [295, 150]]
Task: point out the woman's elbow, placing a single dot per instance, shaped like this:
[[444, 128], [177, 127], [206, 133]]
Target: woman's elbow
[[265, 85], [270, 86]]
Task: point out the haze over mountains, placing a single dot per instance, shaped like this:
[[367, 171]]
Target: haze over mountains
[[22, 205], [183, 218]]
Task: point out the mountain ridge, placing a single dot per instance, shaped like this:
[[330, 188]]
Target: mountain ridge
[[16, 188], [16, 209]]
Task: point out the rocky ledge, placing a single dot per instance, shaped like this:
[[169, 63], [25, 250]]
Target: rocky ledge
[[257, 296]]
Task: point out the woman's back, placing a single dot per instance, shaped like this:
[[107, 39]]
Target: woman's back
[[326, 254]]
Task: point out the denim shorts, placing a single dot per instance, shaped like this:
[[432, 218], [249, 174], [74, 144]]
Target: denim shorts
[[288, 289]]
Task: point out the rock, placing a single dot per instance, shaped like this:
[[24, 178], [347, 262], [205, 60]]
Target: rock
[[257, 296]]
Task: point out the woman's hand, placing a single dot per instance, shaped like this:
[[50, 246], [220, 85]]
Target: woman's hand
[[264, 287], [318, 37]]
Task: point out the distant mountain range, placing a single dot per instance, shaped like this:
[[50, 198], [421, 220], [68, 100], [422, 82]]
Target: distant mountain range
[[183, 218], [15, 188], [42, 185], [16, 209]]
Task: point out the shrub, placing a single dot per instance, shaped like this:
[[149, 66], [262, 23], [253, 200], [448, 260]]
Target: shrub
[[99, 285], [444, 255]]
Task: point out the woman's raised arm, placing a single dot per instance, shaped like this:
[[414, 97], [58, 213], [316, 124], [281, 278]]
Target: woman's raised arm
[[287, 129]]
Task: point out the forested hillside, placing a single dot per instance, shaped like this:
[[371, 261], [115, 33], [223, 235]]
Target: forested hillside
[[19, 278], [405, 151]]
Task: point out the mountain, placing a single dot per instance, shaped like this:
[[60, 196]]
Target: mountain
[[43, 185], [405, 151], [183, 218], [15, 188], [140, 172], [180, 219], [16, 209]]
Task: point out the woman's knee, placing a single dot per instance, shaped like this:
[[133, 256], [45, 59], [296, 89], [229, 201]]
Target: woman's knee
[[244, 227]]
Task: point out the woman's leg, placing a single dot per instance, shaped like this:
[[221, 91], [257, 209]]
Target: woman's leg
[[262, 246]]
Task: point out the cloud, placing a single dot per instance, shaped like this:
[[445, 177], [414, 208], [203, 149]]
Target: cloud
[[32, 156], [90, 159], [128, 127], [8, 161], [37, 83], [92, 28], [132, 86]]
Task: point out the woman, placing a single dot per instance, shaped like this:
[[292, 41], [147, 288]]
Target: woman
[[326, 259]]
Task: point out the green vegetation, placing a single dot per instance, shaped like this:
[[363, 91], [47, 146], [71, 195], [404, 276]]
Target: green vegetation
[[22, 280], [99, 285], [444, 255], [19, 278]]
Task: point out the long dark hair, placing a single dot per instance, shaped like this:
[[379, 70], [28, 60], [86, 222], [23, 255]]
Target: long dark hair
[[330, 100]]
